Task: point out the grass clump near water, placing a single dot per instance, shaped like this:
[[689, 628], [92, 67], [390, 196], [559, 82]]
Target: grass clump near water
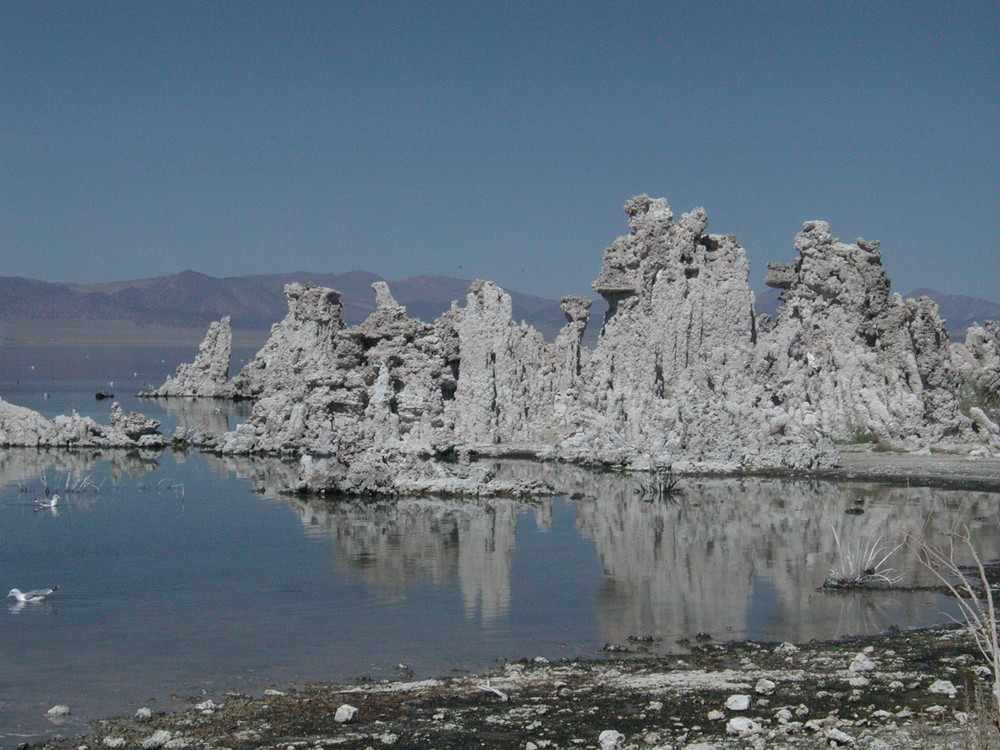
[[862, 563]]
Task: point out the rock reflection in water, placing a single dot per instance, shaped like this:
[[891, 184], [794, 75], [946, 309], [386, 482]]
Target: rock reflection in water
[[205, 416], [736, 558], [26, 465], [400, 544], [744, 558]]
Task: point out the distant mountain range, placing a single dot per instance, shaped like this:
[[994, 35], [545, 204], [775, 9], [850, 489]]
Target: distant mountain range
[[183, 304], [166, 306]]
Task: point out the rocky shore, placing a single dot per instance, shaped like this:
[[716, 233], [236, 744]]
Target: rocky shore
[[901, 689]]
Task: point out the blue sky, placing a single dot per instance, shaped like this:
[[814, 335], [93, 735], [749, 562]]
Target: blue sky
[[492, 140]]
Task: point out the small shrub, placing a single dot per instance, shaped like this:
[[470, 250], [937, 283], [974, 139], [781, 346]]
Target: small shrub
[[861, 563], [663, 483], [974, 596]]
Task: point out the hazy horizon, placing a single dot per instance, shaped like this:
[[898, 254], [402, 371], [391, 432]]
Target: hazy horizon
[[758, 290]]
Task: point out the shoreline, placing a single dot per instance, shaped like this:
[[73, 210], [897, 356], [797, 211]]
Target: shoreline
[[897, 689], [948, 471]]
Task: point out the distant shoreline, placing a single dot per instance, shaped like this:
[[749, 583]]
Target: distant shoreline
[[96, 333]]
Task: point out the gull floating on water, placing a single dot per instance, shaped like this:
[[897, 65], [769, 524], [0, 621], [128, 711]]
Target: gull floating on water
[[48, 503], [37, 595]]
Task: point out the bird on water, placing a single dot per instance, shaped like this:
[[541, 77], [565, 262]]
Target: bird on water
[[36, 595]]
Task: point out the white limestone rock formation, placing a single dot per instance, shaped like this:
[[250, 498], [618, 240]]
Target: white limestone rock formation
[[669, 382], [135, 425], [326, 390], [570, 357], [20, 426], [302, 343], [682, 376], [977, 361], [370, 407], [504, 388], [863, 362], [208, 374]]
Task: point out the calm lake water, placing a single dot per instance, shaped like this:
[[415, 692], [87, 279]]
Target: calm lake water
[[185, 573]]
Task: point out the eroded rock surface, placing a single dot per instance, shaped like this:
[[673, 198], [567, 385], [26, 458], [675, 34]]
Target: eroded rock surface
[[208, 374], [977, 361], [670, 380], [861, 361], [683, 375], [20, 426], [302, 343]]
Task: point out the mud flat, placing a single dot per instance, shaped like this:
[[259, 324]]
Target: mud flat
[[900, 689], [945, 470]]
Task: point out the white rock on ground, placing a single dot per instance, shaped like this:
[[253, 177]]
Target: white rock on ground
[[156, 740], [765, 686], [738, 702], [345, 714], [741, 726], [943, 687]]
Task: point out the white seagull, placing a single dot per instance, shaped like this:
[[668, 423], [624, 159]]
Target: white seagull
[[37, 595], [40, 503]]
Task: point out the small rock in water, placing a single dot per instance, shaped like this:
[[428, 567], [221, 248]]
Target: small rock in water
[[610, 739], [345, 714], [143, 714], [58, 711], [738, 702]]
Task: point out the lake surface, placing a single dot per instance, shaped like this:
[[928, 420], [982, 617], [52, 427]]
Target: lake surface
[[184, 573]]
